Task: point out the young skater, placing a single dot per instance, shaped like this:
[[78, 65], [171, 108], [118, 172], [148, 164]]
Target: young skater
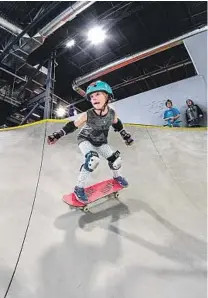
[[93, 137]]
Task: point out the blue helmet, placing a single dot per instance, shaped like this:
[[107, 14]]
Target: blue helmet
[[99, 86]]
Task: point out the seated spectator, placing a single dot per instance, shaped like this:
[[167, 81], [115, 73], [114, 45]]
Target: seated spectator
[[171, 115], [193, 114]]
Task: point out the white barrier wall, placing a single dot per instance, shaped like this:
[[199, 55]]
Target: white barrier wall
[[148, 107], [197, 48]]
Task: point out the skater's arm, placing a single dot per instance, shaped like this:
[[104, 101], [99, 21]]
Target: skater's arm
[[118, 126], [68, 128], [81, 120], [73, 125]]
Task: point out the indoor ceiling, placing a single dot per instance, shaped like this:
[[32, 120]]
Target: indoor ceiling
[[131, 27]]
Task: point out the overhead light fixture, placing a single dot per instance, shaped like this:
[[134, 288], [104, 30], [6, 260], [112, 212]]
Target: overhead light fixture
[[60, 111], [70, 43], [96, 35]]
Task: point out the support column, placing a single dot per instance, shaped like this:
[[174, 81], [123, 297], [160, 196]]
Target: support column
[[30, 113], [48, 98]]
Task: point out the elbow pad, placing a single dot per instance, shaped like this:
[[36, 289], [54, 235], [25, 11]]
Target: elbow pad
[[118, 126], [69, 127]]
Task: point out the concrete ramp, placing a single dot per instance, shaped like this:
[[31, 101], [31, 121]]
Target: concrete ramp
[[20, 159], [150, 243]]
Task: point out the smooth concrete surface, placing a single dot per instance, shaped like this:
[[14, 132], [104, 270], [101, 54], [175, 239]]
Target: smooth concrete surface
[[20, 157], [150, 243]]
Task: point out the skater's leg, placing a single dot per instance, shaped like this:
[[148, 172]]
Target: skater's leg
[[114, 162], [106, 151], [91, 161]]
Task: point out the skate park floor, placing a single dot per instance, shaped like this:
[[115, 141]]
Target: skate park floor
[[152, 242]]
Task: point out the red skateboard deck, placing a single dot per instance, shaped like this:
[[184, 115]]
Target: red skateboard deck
[[94, 192]]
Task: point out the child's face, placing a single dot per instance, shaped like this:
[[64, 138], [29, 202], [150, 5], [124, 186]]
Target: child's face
[[98, 99], [189, 102]]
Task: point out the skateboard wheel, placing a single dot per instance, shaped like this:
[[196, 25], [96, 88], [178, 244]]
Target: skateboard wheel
[[116, 195], [86, 209]]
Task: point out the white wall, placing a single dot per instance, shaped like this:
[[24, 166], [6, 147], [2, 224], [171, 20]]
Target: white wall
[[148, 107], [197, 48]]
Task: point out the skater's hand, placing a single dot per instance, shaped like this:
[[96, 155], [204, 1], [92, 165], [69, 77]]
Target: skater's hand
[[53, 138], [129, 141], [127, 137]]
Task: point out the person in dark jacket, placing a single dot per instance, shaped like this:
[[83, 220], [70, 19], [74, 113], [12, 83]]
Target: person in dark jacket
[[193, 114]]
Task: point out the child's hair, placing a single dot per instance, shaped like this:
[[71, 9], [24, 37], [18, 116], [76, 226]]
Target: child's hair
[[170, 101], [108, 96]]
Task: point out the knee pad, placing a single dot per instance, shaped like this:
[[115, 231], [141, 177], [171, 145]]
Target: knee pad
[[91, 161], [114, 161]]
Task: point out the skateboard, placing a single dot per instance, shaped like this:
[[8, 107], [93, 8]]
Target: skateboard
[[105, 189]]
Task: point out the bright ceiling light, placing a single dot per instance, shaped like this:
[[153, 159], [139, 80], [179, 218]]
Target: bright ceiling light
[[70, 43], [96, 35], [60, 112]]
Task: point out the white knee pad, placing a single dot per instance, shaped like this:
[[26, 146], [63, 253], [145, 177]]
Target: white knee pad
[[91, 161], [117, 164], [114, 161]]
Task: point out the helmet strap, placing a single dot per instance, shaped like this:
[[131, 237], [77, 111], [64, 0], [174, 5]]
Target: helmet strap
[[104, 106]]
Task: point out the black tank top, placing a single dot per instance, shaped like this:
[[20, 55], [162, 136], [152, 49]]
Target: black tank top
[[96, 128]]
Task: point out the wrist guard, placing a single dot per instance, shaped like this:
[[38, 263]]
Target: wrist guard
[[127, 137], [118, 126], [55, 136], [69, 127]]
